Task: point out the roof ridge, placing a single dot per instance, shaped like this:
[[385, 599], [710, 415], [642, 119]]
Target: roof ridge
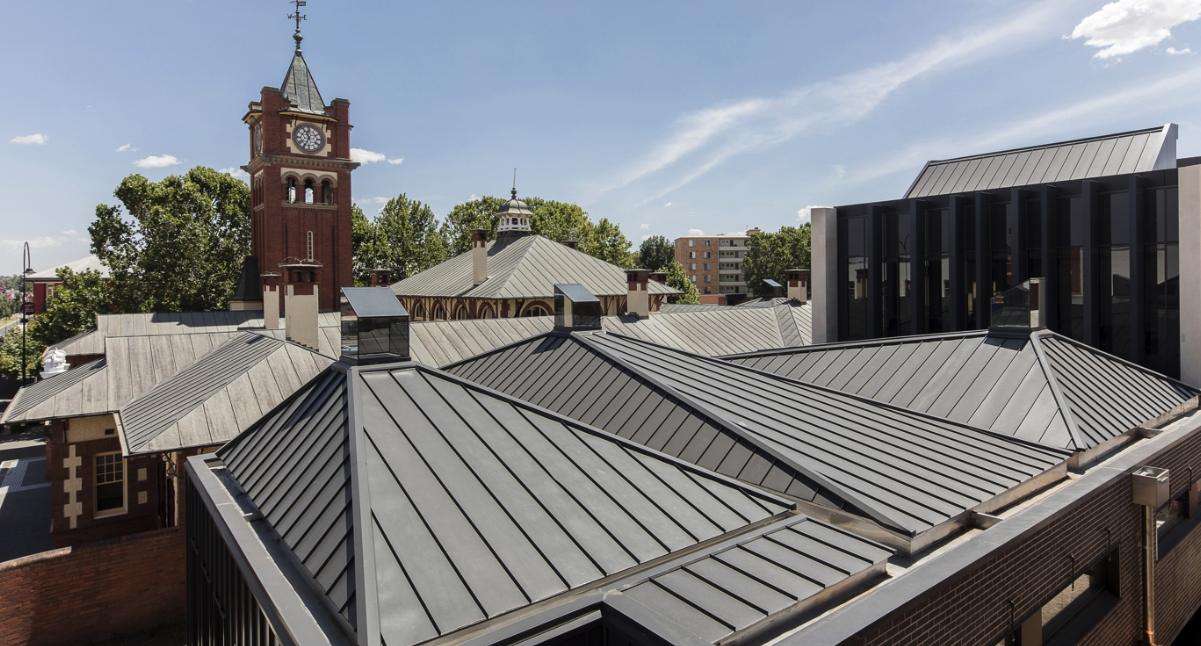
[[934, 162], [1061, 401], [833, 345], [1112, 357]]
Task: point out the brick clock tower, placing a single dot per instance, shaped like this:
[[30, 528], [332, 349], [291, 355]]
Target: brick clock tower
[[300, 191]]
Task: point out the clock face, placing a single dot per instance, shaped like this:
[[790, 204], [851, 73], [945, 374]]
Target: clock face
[[308, 138], [258, 139]]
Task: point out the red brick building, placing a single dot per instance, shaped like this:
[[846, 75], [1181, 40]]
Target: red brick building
[[300, 191]]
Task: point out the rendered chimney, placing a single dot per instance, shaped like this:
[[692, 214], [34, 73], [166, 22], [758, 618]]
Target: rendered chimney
[[381, 277], [638, 300], [479, 256], [798, 284], [270, 301], [300, 312]]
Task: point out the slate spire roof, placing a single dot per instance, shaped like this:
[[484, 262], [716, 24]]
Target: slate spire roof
[[1044, 388], [300, 89]]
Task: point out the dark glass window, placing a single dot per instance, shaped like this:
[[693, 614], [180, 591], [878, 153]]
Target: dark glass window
[[1071, 293], [856, 278], [1160, 213], [1162, 307], [1072, 221], [1114, 299], [1115, 219], [110, 482], [896, 276], [938, 270], [1002, 233], [1034, 224]]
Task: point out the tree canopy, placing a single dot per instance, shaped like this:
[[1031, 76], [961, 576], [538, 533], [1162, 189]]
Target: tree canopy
[[10, 353], [74, 306], [770, 255], [677, 279], [656, 253], [182, 246], [405, 237]]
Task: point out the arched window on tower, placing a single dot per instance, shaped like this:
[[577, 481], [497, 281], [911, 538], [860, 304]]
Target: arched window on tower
[[291, 190], [327, 192], [308, 191]]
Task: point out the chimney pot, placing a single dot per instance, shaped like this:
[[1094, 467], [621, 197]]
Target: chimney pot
[[798, 284], [479, 256], [381, 277], [638, 297]]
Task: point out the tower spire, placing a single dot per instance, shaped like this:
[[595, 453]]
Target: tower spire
[[298, 17], [514, 183]]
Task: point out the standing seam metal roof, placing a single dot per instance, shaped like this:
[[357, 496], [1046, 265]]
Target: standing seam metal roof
[[907, 471], [300, 89], [478, 504], [1045, 388], [1119, 154]]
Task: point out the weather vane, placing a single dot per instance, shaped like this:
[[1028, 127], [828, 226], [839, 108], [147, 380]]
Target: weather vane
[[298, 17]]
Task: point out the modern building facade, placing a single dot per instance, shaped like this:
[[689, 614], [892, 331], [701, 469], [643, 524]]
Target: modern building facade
[[1101, 220], [714, 263]]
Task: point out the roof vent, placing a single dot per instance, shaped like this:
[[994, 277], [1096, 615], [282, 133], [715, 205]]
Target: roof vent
[[1021, 309], [576, 308], [375, 326], [777, 290]]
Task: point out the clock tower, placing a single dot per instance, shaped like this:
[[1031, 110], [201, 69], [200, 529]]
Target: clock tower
[[300, 190]]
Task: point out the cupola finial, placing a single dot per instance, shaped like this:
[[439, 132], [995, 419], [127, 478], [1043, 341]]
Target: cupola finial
[[514, 184], [298, 17]]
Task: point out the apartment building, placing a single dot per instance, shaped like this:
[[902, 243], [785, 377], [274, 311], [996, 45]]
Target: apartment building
[[714, 263]]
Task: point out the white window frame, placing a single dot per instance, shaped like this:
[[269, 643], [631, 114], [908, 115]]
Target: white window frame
[[124, 508]]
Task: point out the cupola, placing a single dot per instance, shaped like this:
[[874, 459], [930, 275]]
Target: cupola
[[514, 216]]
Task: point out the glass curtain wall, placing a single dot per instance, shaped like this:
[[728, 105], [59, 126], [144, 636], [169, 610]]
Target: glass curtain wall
[[897, 277], [938, 270], [1002, 248], [1034, 239], [969, 263], [1072, 222], [1162, 280], [1113, 254], [856, 277]]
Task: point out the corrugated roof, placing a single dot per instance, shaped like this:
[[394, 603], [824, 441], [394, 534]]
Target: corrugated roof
[[769, 575], [220, 395], [473, 504], [1044, 388], [906, 471], [1118, 154], [527, 267]]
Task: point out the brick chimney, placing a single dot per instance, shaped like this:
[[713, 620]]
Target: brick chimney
[[381, 277], [479, 256], [571, 244], [638, 300], [798, 284], [659, 277]]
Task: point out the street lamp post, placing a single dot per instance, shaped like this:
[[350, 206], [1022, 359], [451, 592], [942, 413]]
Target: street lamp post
[[25, 271]]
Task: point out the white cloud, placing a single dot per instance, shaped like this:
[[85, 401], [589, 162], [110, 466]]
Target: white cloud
[[1126, 26], [396, 161], [127, 148], [1172, 51], [644, 227], [38, 139], [69, 232], [366, 156], [371, 200], [701, 140], [695, 232], [839, 170], [805, 214], [44, 242], [668, 204], [235, 172], [152, 161], [645, 237]]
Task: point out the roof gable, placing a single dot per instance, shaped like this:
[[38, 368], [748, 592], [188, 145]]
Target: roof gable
[[1119, 154]]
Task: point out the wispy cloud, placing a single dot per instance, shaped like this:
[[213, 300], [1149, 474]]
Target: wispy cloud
[[703, 139], [41, 242], [371, 200], [695, 232], [368, 157], [1126, 26], [127, 148], [161, 161], [667, 205], [1172, 51], [396, 161], [644, 227], [235, 172], [38, 139], [70, 232]]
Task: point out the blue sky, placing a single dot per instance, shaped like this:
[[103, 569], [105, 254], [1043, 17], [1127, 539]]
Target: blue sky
[[664, 117]]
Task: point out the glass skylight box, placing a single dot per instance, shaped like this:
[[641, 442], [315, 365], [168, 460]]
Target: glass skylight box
[[375, 326]]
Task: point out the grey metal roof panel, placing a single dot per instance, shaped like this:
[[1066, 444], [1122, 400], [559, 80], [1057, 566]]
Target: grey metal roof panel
[[475, 504], [220, 395], [772, 573], [527, 267], [38, 399], [676, 308], [567, 375], [1092, 157]]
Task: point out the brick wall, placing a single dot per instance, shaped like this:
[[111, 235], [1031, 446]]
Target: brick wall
[[88, 593]]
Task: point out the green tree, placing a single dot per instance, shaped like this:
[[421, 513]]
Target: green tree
[[73, 307], [677, 279], [770, 255], [181, 249], [10, 353], [406, 239], [362, 237], [656, 252], [475, 214], [606, 241]]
